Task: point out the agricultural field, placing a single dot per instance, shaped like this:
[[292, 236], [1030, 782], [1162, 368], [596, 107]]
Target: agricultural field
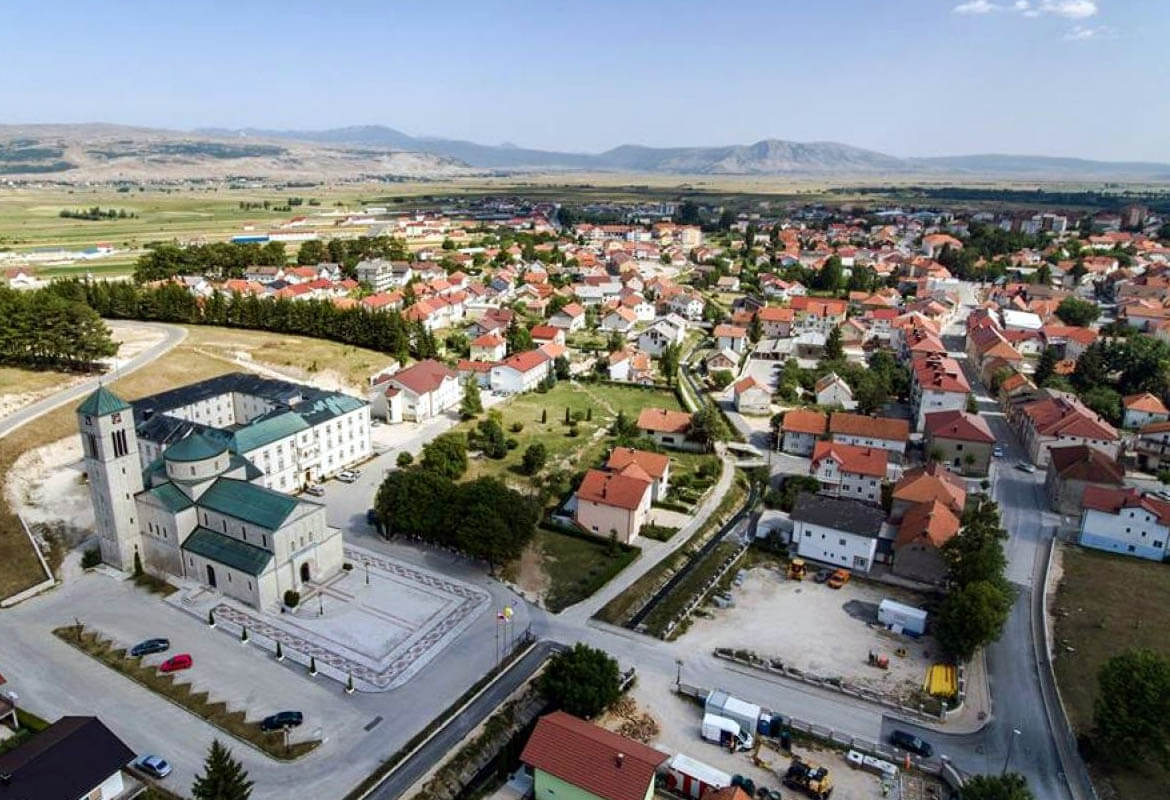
[[1104, 605]]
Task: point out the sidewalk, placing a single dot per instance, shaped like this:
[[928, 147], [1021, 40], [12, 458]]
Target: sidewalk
[[976, 711]]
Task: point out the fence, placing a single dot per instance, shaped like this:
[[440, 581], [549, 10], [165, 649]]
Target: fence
[[36, 589], [705, 590]]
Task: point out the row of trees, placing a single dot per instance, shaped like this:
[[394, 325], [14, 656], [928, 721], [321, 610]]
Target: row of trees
[[881, 380], [977, 606], [482, 518], [96, 213], [43, 329], [387, 332]]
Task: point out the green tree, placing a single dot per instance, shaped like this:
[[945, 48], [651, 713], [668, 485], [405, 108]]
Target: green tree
[[834, 350], [405, 459], [583, 681], [519, 338], [668, 362], [829, 277], [1046, 366], [1078, 312], [972, 404], [1131, 714], [472, 404], [1092, 368], [1104, 401], [223, 777], [688, 214], [794, 486], [615, 341], [971, 617], [312, 252], [1010, 786], [446, 455], [706, 426], [489, 438], [722, 378], [535, 456]]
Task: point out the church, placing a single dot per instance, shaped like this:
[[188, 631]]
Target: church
[[200, 511]]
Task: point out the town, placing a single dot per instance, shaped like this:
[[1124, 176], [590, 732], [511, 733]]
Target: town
[[721, 500]]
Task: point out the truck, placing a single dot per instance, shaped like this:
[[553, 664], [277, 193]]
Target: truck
[[722, 704], [727, 732]]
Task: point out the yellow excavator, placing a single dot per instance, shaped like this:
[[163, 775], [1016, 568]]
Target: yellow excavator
[[809, 778], [797, 570]]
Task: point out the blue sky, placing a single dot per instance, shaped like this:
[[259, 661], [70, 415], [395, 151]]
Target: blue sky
[[1084, 78]]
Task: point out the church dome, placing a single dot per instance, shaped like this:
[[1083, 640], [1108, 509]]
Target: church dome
[[196, 458]]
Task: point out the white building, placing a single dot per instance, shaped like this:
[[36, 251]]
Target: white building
[[850, 471], [1123, 521], [832, 391], [428, 390], [937, 383], [671, 329], [520, 372], [730, 337], [751, 397], [836, 531]]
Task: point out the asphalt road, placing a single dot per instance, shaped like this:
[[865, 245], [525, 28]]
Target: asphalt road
[[172, 336]]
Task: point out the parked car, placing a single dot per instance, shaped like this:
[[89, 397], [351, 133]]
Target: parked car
[[908, 741], [150, 646], [154, 766], [822, 575], [281, 720], [1026, 466], [176, 663], [347, 476], [317, 490], [998, 451], [839, 578]]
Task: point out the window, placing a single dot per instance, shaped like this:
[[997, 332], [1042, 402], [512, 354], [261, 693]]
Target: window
[[841, 542]]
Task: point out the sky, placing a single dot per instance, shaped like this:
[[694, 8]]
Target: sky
[[1086, 78]]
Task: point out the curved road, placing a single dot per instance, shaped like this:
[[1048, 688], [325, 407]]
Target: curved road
[[173, 335]]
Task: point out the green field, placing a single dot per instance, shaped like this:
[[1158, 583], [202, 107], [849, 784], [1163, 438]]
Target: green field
[[577, 567], [1104, 605]]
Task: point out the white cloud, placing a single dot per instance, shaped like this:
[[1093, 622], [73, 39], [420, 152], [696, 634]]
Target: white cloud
[[976, 7], [1071, 9], [1082, 33]]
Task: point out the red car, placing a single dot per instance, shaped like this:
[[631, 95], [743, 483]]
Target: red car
[[176, 663]]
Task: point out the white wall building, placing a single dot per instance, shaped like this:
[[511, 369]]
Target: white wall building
[[836, 531]]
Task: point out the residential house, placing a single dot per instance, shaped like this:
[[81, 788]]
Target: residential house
[[776, 323], [614, 502], [751, 397], [544, 334], [520, 372], [1058, 420], [621, 320], [833, 392], [630, 365], [1152, 447], [385, 401], [667, 428], [722, 360], [818, 314], [1142, 410], [937, 383], [665, 331], [884, 432], [925, 528], [574, 760], [730, 337], [1125, 521], [570, 318], [836, 531], [429, 388], [850, 471], [656, 465], [1071, 469], [489, 347], [925, 485], [961, 440], [800, 430], [74, 758]]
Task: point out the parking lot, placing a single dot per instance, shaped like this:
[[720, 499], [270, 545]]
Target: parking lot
[[819, 630]]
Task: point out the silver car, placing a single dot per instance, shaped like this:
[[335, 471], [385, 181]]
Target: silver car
[[154, 766]]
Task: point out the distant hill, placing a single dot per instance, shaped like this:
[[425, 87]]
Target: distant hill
[[110, 152]]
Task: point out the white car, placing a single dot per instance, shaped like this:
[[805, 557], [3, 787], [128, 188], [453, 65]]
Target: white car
[[347, 476], [317, 490], [1026, 466]]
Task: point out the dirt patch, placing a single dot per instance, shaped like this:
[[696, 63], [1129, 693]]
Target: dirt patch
[[47, 485], [530, 576], [822, 631]]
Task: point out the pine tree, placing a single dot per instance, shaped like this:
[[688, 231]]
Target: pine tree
[[471, 405], [834, 351], [543, 416], [223, 777]]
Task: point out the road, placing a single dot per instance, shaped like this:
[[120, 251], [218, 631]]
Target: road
[[172, 335]]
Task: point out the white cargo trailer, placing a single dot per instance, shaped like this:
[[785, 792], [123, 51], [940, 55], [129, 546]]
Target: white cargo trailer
[[902, 618]]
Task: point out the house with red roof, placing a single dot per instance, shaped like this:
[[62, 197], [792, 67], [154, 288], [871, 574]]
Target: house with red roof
[[730, 337], [961, 440], [926, 484], [850, 471], [520, 372], [859, 430], [924, 529], [489, 347], [570, 318], [667, 428], [937, 383], [574, 760], [429, 388], [1072, 469], [1142, 409], [656, 465], [775, 322], [1125, 521], [614, 503], [751, 396], [800, 429], [1057, 420]]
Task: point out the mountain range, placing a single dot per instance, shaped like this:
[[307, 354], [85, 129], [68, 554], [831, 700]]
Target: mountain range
[[105, 152]]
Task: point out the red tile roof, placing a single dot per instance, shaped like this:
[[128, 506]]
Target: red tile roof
[[618, 489], [850, 458], [1111, 501], [654, 464], [961, 425], [894, 430], [526, 361], [931, 522], [423, 377], [729, 331], [1084, 463], [545, 332], [804, 420], [663, 421], [1144, 402], [775, 314], [593, 759], [1067, 416], [929, 483], [940, 374]]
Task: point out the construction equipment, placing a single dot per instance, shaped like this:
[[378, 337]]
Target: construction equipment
[[797, 569], [809, 778], [879, 660], [839, 578]]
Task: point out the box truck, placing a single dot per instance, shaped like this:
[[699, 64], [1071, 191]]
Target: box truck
[[726, 732], [722, 704]]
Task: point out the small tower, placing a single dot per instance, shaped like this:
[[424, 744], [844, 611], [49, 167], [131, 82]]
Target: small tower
[[110, 445]]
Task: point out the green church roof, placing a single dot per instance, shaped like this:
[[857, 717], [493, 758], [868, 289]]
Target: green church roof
[[171, 497], [227, 551], [267, 431], [248, 502], [195, 447], [101, 403]]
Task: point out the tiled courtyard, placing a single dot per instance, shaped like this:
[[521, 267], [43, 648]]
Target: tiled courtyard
[[380, 622]]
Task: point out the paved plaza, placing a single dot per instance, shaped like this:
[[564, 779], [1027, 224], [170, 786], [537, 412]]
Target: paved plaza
[[380, 622]]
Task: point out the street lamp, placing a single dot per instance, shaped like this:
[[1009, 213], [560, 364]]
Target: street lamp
[[320, 605], [678, 672], [1008, 757], [367, 563]]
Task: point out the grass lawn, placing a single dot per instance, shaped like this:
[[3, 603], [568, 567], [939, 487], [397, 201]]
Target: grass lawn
[[353, 365], [577, 567], [15, 380], [1106, 604], [200, 703]]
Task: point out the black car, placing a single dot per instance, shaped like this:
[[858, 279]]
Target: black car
[[822, 575], [908, 741], [150, 646], [281, 720]]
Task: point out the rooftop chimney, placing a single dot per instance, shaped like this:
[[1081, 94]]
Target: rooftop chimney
[[619, 759]]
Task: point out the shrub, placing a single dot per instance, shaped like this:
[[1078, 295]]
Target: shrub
[[292, 598], [516, 427], [511, 443], [91, 558], [574, 430], [405, 459]]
